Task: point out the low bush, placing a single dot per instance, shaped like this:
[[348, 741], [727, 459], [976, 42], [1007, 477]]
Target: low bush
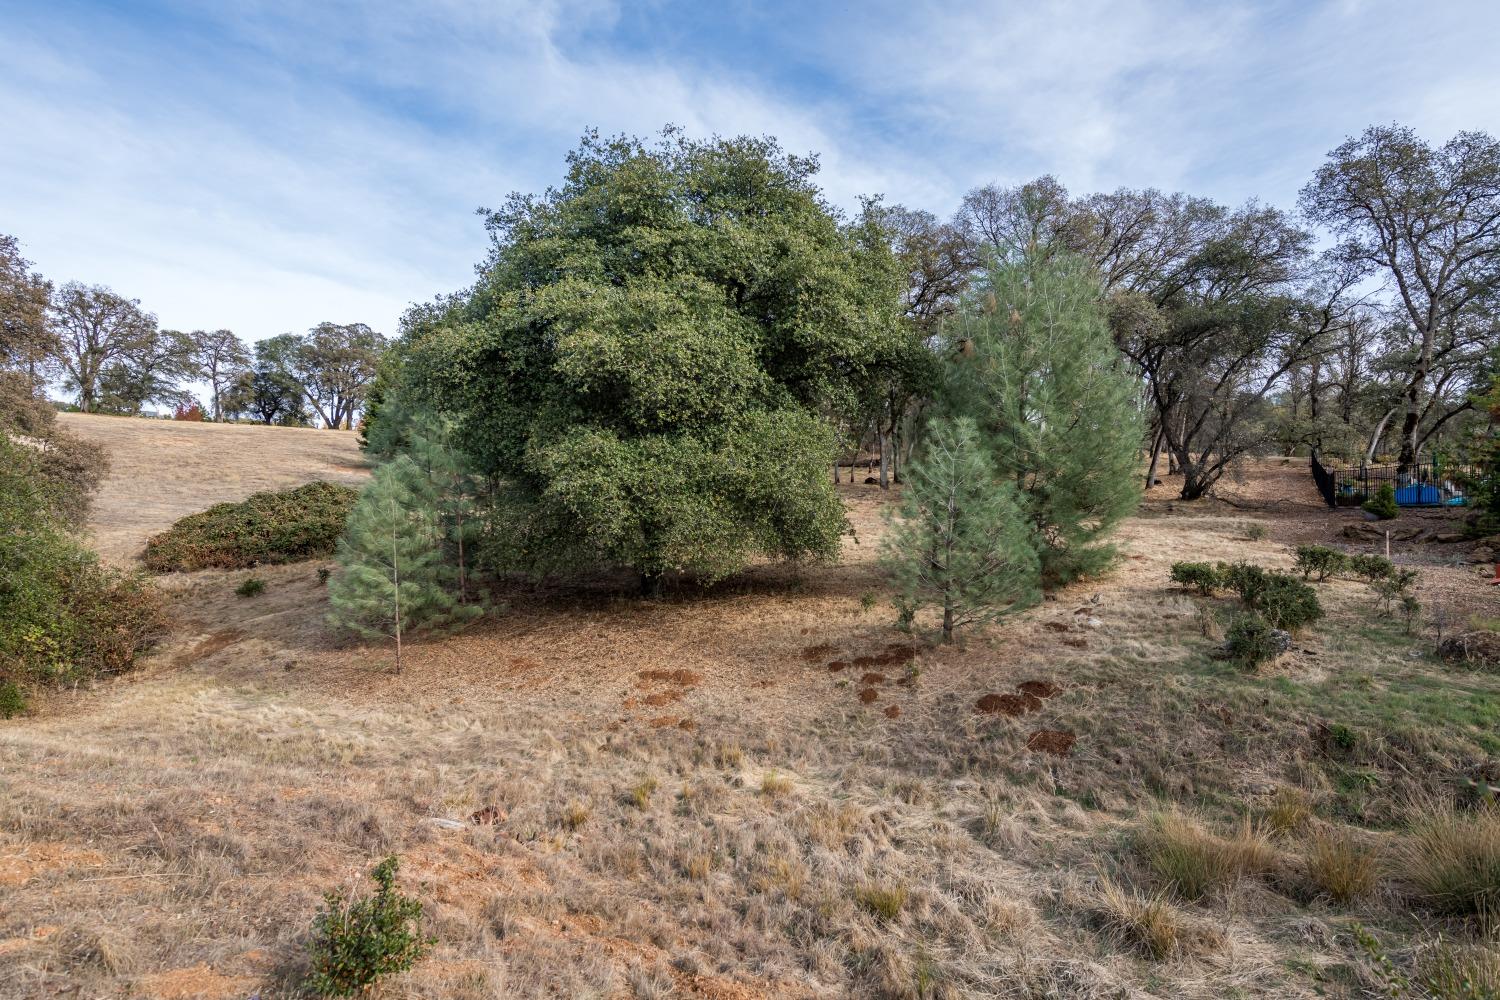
[[64, 618], [1451, 860], [1286, 602], [1395, 588], [267, 528], [250, 586], [12, 700], [1320, 561], [1252, 641], [1383, 504], [1245, 579], [357, 942], [1370, 569], [1199, 576]]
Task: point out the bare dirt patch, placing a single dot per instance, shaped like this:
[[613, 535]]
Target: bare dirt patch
[[1058, 742]]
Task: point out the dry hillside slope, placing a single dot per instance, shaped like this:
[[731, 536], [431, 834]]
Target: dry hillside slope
[[760, 791]]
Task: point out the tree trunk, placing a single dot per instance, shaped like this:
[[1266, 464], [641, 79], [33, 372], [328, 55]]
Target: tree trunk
[[885, 463], [1378, 435], [650, 584], [947, 621], [1156, 445]]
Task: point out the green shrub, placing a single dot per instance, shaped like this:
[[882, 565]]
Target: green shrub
[[64, 618], [1286, 602], [1320, 561], [1252, 641], [1245, 579], [12, 700], [1370, 569], [1198, 575], [1396, 587], [267, 528], [356, 942], [250, 586], [1383, 503]]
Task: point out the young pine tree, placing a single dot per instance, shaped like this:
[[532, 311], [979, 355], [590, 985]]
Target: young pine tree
[[961, 542], [451, 491], [1054, 405], [390, 573]]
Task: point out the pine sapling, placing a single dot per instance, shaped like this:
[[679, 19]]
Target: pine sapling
[[962, 542]]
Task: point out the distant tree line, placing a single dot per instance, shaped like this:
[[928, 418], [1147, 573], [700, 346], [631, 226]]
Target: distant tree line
[[113, 357]]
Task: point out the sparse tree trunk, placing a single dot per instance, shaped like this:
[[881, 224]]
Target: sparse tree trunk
[[1377, 435], [1156, 445], [885, 465]]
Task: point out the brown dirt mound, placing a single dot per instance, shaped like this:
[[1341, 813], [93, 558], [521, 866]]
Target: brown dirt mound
[[868, 695], [661, 698], [872, 678], [1008, 704], [838, 665], [818, 652], [1056, 626], [1076, 643], [893, 711], [1041, 689], [1054, 741]]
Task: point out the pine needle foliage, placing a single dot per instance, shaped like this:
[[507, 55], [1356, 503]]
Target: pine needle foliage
[[962, 542], [1060, 414], [391, 572]]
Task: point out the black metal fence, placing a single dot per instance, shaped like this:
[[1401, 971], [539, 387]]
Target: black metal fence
[[1421, 484]]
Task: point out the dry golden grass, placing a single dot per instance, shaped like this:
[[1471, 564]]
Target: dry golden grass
[[175, 829], [1340, 865]]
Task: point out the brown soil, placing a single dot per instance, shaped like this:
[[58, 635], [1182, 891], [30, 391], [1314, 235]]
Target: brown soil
[[893, 711], [872, 678], [1054, 741], [868, 695], [814, 653], [658, 698], [1008, 704], [893, 655], [1041, 689], [685, 678], [838, 665]]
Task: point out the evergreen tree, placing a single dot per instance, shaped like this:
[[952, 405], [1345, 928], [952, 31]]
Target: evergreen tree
[[962, 541], [390, 571], [451, 491], [1040, 375], [648, 363]]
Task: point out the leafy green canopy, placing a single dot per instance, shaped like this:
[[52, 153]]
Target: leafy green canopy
[[962, 542], [1040, 375], [649, 361]]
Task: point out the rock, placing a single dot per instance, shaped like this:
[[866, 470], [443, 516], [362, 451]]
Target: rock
[[1449, 537], [446, 824], [1483, 554], [1364, 531]]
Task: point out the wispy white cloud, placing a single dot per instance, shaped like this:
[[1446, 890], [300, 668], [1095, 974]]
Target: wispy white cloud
[[267, 165]]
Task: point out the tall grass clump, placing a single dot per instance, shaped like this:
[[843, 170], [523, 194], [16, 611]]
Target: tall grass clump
[[1192, 861], [1451, 861]]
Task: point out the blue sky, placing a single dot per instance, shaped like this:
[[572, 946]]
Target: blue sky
[[268, 164]]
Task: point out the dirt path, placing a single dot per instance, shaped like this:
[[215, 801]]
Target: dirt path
[[161, 470]]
